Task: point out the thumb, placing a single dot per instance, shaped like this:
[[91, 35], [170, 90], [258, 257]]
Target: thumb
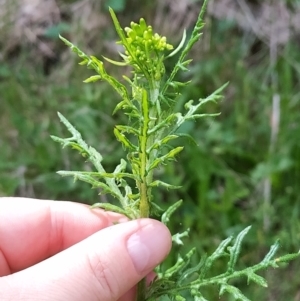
[[102, 267]]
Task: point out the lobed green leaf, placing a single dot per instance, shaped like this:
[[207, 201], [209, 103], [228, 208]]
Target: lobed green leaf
[[235, 292], [157, 183], [169, 156], [236, 249], [122, 138], [111, 207], [168, 213], [257, 279]]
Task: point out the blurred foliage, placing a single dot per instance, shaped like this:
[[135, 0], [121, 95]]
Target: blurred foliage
[[236, 175]]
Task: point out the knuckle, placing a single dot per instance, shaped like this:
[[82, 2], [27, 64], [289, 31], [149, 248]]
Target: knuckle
[[104, 280]]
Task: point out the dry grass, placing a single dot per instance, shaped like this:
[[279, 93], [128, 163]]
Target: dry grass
[[268, 20], [24, 23], [173, 16]]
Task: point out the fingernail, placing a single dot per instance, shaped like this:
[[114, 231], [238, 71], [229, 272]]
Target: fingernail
[[149, 245]]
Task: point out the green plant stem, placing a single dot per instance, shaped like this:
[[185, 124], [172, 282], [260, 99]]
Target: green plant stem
[[222, 278], [146, 141], [141, 290], [143, 186]]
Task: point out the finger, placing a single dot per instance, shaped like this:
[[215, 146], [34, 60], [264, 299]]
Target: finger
[[102, 267], [33, 230]]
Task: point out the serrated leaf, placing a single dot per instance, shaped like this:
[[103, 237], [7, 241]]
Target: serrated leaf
[[121, 167], [174, 269], [77, 147], [70, 127], [192, 109], [197, 295], [128, 129], [97, 65], [165, 123], [117, 175], [88, 179], [169, 156], [257, 279], [177, 85], [103, 175], [111, 207], [122, 138], [68, 43], [180, 264], [158, 287], [158, 144], [189, 137], [93, 79], [271, 253], [232, 290], [120, 105], [287, 257], [115, 62], [182, 66], [236, 249], [156, 210], [84, 62], [57, 139], [168, 213], [219, 252], [157, 183], [133, 197], [176, 238], [197, 116], [75, 49], [194, 269]]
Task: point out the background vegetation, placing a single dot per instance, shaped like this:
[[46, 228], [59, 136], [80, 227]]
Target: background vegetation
[[246, 166]]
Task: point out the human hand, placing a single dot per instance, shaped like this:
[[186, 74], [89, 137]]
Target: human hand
[[52, 250]]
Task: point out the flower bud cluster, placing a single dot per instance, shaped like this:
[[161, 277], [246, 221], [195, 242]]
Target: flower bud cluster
[[146, 47]]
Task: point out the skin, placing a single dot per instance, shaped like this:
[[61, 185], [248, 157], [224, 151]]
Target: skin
[[53, 250]]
